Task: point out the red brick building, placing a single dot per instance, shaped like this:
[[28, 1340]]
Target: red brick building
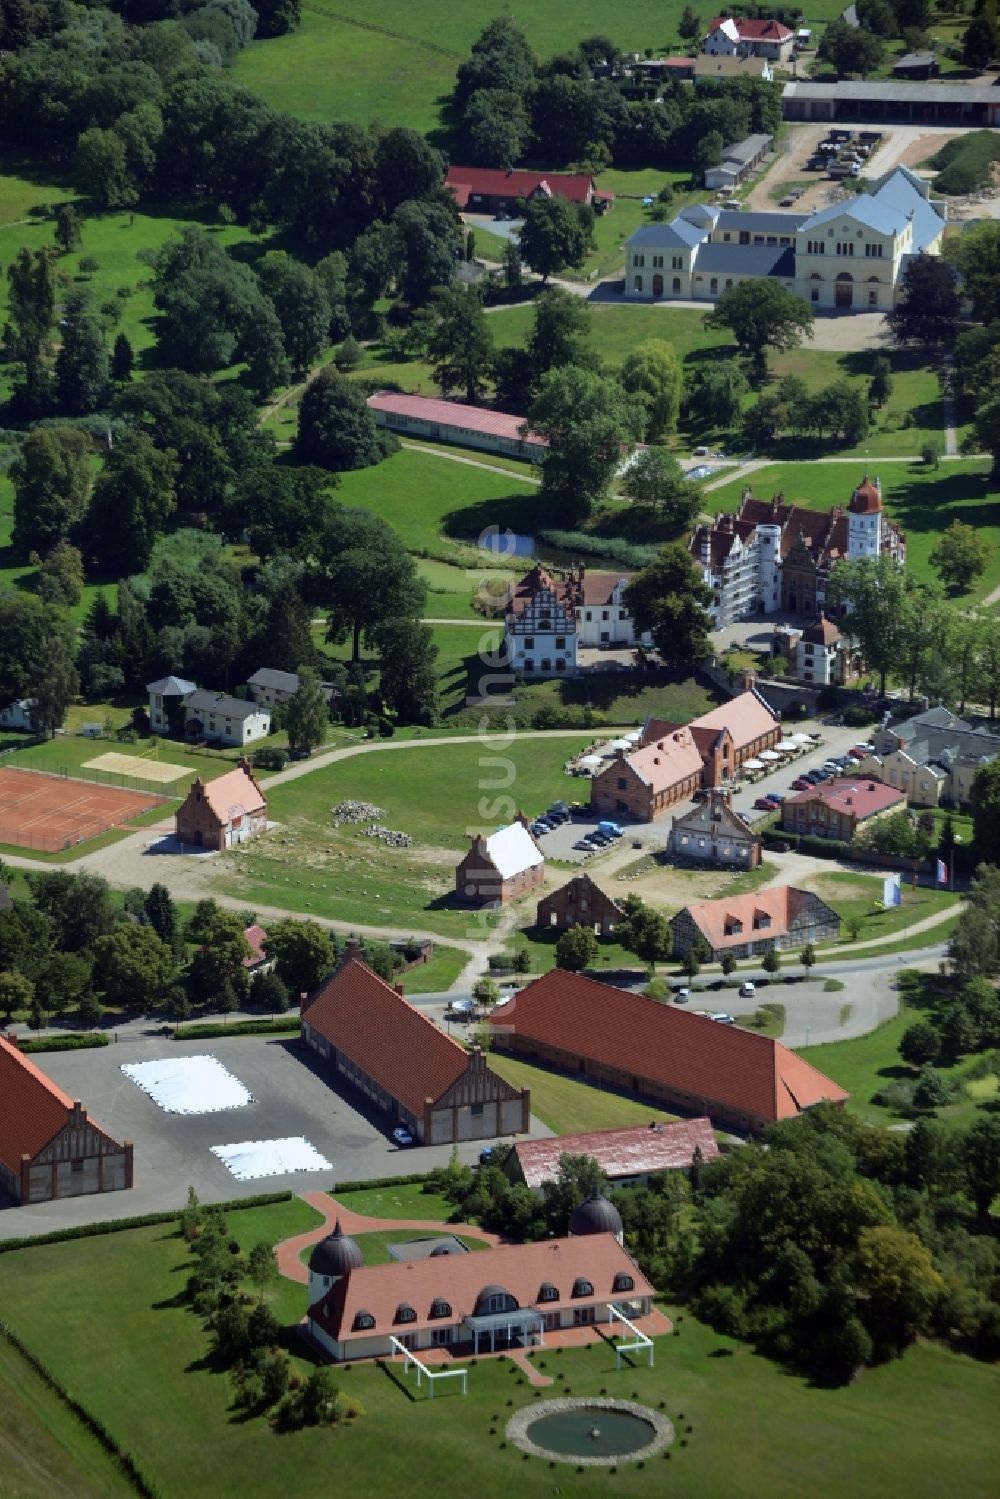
[[499, 868], [579, 903], [49, 1145], [840, 808], [222, 813], [740, 1079], [410, 1069], [491, 189]]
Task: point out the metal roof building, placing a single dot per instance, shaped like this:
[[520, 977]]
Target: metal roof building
[[902, 103]]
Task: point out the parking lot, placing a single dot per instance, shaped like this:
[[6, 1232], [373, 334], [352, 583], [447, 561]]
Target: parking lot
[[293, 1095]]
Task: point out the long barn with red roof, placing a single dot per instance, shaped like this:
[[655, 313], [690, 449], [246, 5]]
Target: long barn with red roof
[[49, 1145], [741, 1080]]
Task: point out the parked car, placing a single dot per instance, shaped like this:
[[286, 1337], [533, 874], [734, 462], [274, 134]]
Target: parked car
[[599, 840], [801, 784], [582, 846], [562, 808], [682, 996], [701, 795], [610, 829], [486, 1155], [748, 989], [777, 797], [723, 1018], [460, 1009], [764, 804], [402, 1136]]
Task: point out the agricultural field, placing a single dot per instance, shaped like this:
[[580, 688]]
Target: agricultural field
[[895, 1430], [923, 501]]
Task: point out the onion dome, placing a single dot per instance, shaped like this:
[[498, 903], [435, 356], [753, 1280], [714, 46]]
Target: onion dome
[[336, 1255], [595, 1216]]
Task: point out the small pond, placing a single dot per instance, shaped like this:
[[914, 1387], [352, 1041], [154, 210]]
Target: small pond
[[591, 1433]]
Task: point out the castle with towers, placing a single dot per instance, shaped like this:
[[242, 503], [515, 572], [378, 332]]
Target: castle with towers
[[772, 556]]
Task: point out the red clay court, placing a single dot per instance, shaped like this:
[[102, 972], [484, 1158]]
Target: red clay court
[[54, 812]]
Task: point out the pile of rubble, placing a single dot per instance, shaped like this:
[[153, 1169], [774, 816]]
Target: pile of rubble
[[388, 836], [346, 812]]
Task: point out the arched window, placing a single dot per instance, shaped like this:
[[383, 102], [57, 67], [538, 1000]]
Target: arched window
[[582, 1287], [440, 1308], [405, 1312], [548, 1292], [623, 1282], [362, 1322]]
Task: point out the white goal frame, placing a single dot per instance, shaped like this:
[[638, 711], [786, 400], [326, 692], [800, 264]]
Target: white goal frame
[[642, 1342], [410, 1360]]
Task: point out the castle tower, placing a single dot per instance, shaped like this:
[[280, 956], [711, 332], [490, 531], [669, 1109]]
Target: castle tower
[[333, 1257], [864, 520]]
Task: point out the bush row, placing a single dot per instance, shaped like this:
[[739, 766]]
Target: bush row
[[144, 1220], [632, 554], [417, 1178], [75, 1042], [135, 1475], [287, 1027], [808, 843]]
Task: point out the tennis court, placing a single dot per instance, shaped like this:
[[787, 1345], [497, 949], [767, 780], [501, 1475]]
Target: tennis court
[[53, 812]]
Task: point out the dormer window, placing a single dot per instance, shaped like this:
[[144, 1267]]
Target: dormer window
[[439, 1308], [405, 1312], [548, 1292], [363, 1322], [582, 1287], [623, 1282]]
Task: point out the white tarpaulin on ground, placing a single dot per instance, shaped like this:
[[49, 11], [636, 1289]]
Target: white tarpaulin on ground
[[189, 1085], [252, 1158]]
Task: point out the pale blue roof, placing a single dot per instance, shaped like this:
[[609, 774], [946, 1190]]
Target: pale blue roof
[[668, 236], [887, 210], [861, 210]]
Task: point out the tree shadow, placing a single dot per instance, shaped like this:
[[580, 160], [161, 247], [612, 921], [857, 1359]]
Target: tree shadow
[[524, 513]]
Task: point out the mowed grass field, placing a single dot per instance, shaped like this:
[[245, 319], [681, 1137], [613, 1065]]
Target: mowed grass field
[[571, 1107], [923, 501], [901, 1429]]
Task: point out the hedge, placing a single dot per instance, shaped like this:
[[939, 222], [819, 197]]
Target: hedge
[[144, 1220], [418, 1177], [632, 554], [64, 1043], [136, 1477], [286, 1027]]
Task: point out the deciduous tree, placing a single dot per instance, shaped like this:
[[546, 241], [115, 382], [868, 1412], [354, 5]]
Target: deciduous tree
[[670, 599], [302, 954], [51, 477], [307, 715], [761, 315], [960, 556], [586, 420], [652, 374], [460, 343], [576, 948], [929, 307], [554, 236]]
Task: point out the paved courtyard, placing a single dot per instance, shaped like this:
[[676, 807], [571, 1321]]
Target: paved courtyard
[[292, 1096]]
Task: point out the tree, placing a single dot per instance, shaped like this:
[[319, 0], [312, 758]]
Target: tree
[[706, 153], [79, 906], [689, 27], [337, 428], [807, 957], [560, 332], [37, 658], [655, 480], [460, 344], [408, 676], [262, 346], [161, 913], [960, 555], [303, 308], [302, 953], [364, 576], [132, 500], [267, 992], [426, 237], [929, 307], [577, 948], [307, 714], [220, 960], [261, 1267], [67, 230], [66, 979], [984, 800], [652, 374], [761, 315], [122, 360], [554, 236], [874, 589], [728, 963], [771, 961], [671, 600], [486, 993], [979, 1151], [977, 256], [717, 395], [51, 477], [645, 932], [981, 41], [586, 419], [17, 994], [207, 299], [349, 356], [920, 1044], [82, 364], [100, 164], [880, 384], [898, 1281], [132, 967], [851, 49]]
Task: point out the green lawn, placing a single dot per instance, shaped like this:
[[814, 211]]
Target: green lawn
[[569, 1106], [921, 500], [375, 1246], [408, 1200], [540, 943], [45, 1449], [855, 896], [67, 754], [439, 972], [897, 1430]]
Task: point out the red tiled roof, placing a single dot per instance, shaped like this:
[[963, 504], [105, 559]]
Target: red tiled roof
[[866, 499], [746, 716], [658, 1146], [714, 917], [520, 1269], [533, 583], [454, 414], [256, 936], [494, 182], [822, 631], [858, 798], [397, 1045], [33, 1108], [722, 1064], [598, 588], [235, 791], [664, 762], [754, 30]]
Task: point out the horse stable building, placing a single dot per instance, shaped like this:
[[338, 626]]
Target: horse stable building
[[687, 1063], [49, 1145], [397, 1057]]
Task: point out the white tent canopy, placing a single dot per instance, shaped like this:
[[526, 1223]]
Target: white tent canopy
[[251, 1159], [769, 756], [624, 744], [189, 1085], [802, 739], [753, 765], [786, 746], [590, 761]]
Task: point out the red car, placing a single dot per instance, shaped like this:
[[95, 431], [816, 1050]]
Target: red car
[[764, 804], [801, 784]]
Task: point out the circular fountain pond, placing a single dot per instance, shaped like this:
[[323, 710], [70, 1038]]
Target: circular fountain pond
[[594, 1433]]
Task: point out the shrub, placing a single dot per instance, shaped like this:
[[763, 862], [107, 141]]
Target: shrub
[[269, 757], [65, 1043], [627, 552], [286, 1027]]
